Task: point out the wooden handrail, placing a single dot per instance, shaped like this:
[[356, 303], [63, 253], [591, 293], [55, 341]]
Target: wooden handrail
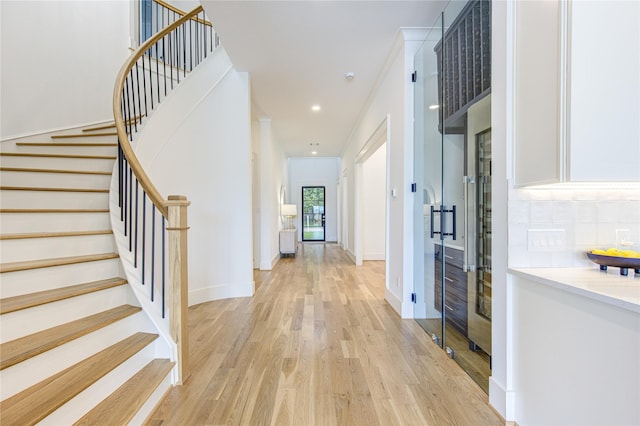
[[146, 184], [181, 12]]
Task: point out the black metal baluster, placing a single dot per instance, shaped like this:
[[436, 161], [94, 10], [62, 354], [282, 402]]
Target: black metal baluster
[[164, 231], [190, 46], [145, 97], [184, 50], [125, 102], [204, 35], [132, 99], [164, 64], [126, 174], [120, 177], [135, 249], [144, 231], [144, 83], [150, 81], [130, 210], [170, 60], [157, 69], [177, 31], [153, 247]]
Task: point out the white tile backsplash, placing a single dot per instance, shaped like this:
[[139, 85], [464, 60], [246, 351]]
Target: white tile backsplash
[[590, 218], [586, 212], [541, 212]]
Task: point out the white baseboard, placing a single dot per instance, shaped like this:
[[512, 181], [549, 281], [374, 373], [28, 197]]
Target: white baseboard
[[351, 255], [221, 291], [374, 256], [393, 300], [501, 400]]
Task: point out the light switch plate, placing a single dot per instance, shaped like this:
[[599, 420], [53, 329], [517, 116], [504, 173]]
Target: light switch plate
[[546, 239]]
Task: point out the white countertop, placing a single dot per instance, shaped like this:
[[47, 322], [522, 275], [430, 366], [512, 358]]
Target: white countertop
[[450, 244], [608, 287]]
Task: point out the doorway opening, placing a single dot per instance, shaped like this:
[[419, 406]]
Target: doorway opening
[[313, 213]]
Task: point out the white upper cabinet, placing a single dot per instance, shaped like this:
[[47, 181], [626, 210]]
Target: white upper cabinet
[[577, 92]]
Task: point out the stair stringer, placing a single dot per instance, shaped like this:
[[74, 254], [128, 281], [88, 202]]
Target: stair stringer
[[212, 70]]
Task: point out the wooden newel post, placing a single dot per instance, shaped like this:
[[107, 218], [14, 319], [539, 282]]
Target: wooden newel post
[[179, 280]]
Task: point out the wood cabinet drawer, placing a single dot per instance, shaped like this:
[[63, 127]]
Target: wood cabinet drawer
[[455, 295], [452, 256]]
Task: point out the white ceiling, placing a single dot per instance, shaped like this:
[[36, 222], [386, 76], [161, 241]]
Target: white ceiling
[[298, 52]]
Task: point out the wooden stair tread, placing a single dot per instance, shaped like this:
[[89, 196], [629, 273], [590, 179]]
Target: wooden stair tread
[[16, 303], [54, 210], [111, 125], [83, 135], [18, 350], [35, 403], [54, 234], [58, 261], [66, 143], [35, 188], [29, 170], [84, 157], [122, 405]]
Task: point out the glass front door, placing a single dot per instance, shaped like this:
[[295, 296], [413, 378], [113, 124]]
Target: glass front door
[[313, 219]]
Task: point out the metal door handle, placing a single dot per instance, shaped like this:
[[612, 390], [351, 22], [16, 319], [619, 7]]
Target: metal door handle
[[468, 238]]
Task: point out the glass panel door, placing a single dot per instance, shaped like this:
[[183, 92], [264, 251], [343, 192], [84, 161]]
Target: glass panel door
[[428, 294], [452, 171], [313, 220], [466, 126]]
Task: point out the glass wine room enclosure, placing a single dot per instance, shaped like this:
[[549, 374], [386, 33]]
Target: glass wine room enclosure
[[452, 171]]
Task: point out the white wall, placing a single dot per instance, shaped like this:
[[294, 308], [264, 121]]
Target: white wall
[[59, 63], [374, 178], [392, 97], [271, 169], [316, 171], [198, 144]]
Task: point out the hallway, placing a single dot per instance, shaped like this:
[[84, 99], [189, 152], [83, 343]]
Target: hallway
[[318, 345]]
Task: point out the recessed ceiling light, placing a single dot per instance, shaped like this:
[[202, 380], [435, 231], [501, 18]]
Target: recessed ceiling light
[[435, 106], [315, 108], [349, 76], [314, 152]]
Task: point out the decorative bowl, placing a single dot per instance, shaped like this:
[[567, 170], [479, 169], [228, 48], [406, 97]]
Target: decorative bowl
[[624, 263]]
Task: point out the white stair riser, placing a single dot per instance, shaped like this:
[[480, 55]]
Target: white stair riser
[[151, 403], [33, 370], [73, 150], [55, 180], [12, 223], [32, 280], [94, 394], [44, 248], [28, 321], [18, 199], [102, 165]]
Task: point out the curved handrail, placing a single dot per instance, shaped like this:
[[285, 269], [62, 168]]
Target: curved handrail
[[142, 83], [123, 137], [181, 12]]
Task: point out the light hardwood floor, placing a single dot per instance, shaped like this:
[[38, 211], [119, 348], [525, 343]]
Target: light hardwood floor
[[318, 345]]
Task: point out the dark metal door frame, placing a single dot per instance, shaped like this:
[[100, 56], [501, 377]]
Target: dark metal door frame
[[322, 217]]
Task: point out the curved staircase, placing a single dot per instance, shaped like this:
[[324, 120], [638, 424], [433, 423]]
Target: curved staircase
[[74, 343]]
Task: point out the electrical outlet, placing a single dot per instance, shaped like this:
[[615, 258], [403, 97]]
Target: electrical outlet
[[546, 239]]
